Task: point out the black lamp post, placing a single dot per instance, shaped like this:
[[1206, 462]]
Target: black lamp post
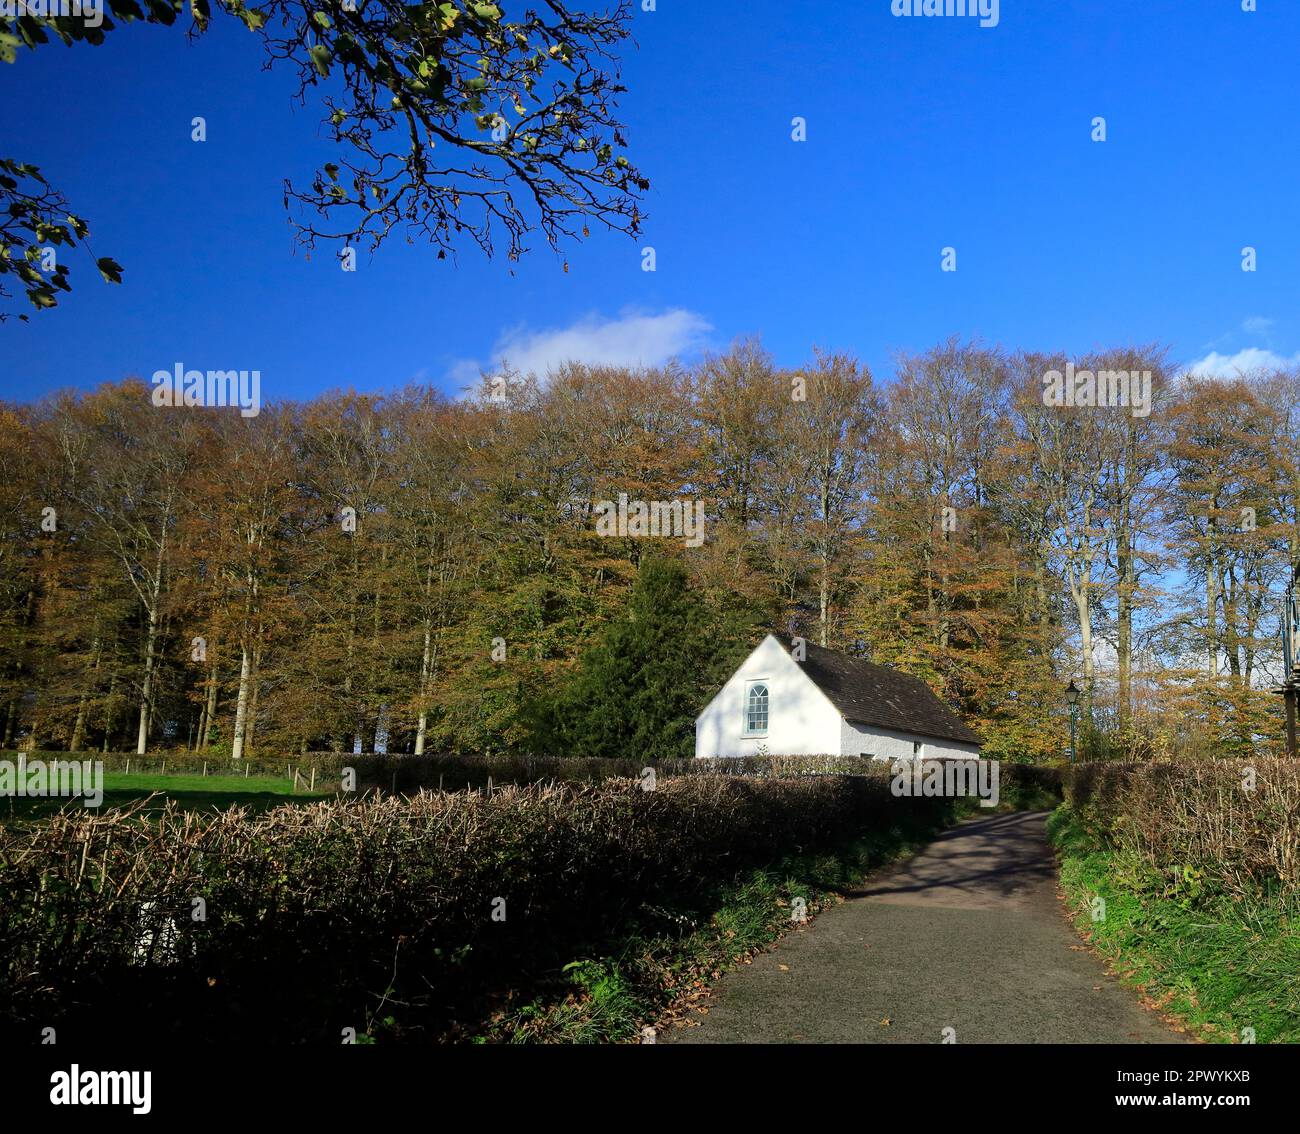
[[1072, 695]]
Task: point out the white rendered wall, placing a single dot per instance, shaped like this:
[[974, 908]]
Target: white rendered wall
[[801, 721], [887, 744]]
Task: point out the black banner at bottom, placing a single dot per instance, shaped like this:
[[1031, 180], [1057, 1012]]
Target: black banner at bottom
[[335, 1084]]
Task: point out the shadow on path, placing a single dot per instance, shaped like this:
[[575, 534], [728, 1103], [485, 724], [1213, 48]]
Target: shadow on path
[[967, 935]]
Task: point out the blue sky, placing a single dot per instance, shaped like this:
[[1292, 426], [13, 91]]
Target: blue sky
[[921, 133]]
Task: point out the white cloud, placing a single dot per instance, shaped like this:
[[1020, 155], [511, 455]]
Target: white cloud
[[1257, 325], [1216, 365], [631, 339]]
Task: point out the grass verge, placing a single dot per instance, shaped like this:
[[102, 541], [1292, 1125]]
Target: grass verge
[[1218, 964]]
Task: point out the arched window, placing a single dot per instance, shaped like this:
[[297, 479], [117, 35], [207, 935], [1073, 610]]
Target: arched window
[[756, 708]]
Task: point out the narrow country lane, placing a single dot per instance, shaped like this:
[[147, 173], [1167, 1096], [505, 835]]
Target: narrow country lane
[[968, 934]]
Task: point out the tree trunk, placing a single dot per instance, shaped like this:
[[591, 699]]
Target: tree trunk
[[109, 715], [255, 680], [241, 703], [823, 597], [1211, 623], [1080, 592], [210, 710], [425, 662], [1125, 583], [150, 651], [79, 725], [146, 689]]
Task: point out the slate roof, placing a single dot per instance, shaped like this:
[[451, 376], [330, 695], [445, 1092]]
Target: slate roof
[[877, 695]]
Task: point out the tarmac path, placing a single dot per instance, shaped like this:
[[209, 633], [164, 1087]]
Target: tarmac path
[[968, 934]]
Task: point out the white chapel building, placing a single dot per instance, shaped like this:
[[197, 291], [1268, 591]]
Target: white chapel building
[[827, 704]]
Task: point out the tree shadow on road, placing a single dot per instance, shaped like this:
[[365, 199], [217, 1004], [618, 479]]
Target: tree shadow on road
[[1002, 854]]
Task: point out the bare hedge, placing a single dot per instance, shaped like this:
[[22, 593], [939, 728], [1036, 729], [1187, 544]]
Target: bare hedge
[[449, 772], [405, 773], [1234, 824], [315, 917]]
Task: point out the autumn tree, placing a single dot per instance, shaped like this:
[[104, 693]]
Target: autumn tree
[[1220, 512], [125, 482]]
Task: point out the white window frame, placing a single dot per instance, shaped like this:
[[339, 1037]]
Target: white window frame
[[745, 730]]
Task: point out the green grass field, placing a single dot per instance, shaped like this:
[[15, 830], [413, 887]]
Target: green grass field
[[194, 793]]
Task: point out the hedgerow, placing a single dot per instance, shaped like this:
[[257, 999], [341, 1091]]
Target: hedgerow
[[416, 917], [1219, 826]]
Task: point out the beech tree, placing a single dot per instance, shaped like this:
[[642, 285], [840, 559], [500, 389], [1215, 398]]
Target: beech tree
[[1062, 458], [835, 419], [424, 574], [127, 478]]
